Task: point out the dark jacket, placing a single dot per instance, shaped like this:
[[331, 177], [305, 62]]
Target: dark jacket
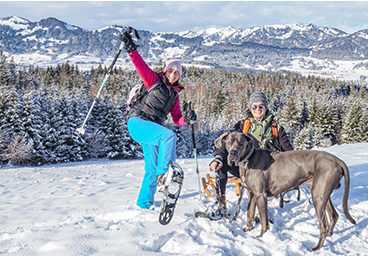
[[149, 78], [157, 104], [261, 130]]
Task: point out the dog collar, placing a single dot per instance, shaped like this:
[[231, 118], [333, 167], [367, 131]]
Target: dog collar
[[246, 159]]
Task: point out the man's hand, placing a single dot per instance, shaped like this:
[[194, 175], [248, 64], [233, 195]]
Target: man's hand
[[214, 166]]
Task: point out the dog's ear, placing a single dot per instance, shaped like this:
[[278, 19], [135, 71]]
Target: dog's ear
[[256, 143], [218, 141]]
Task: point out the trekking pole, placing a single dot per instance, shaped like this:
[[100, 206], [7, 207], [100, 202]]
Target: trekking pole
[[81, 130], [306, 193], [195, 157]]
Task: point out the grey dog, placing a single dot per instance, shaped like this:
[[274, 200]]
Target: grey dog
[[268, 173]]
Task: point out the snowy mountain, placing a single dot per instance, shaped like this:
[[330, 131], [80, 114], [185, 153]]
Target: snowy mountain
[[307, 49]]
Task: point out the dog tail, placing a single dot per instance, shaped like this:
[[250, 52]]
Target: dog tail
[[346, 191]]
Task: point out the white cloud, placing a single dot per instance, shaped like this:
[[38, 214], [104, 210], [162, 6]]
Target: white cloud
[[174, 16]]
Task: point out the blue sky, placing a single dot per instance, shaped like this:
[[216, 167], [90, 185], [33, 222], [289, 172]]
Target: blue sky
[[175, 16]]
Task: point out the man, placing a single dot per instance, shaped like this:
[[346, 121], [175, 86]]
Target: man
[[260, 123]]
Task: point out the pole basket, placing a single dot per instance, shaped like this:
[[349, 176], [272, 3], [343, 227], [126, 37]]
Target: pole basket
[[210, 183]]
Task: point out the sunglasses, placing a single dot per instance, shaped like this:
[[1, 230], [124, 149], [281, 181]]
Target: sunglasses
[[261, 106]]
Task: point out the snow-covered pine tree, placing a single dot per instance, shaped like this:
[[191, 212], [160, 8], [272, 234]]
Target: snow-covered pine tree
[[326, 122], [321, 120], [4, 70], [98, 128], [289, 117], [65, 146], [304, 138], [352, 126], [205, 141], [338, 109], [118, 136], [184, 146], [219, 102], [11, 121], [47, 131], [31, 118]]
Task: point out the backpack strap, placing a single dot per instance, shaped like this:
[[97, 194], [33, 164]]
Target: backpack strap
[[246, 126], [274, 129]]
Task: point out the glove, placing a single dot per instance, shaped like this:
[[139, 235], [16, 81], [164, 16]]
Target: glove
[[129, 44], [273, 145], [189, 114]]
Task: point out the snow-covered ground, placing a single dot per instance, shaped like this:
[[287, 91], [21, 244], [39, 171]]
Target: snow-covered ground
[[342, 70], [327, 68], [88, 208]]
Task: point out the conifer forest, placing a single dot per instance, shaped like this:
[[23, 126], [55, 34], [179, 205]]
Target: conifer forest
[[41, 109]]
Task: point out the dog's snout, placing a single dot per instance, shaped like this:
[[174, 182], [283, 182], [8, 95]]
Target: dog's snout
[[233, 153]]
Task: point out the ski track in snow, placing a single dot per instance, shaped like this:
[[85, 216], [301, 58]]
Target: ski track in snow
[[88, 208]]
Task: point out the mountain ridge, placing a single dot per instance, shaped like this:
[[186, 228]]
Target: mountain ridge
[[268, 48]]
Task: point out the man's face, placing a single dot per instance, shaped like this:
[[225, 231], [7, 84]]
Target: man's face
[[258, 110]]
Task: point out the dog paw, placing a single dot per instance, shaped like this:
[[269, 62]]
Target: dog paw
[[260, 235], [246, 229]]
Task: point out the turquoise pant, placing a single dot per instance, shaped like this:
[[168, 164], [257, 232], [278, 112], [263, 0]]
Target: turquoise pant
[[159, 148]]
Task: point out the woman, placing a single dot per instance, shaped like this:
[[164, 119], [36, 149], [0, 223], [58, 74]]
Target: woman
[[146, 118]]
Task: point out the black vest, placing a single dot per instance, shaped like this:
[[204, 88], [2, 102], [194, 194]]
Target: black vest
[[155, 105]]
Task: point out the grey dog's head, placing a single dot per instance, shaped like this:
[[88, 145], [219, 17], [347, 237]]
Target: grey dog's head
[[238, 145]]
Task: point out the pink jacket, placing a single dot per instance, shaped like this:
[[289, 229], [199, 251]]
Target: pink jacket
[[149, 77]]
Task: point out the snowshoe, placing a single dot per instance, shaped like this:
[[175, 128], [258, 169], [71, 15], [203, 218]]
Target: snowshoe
[[170, 186]]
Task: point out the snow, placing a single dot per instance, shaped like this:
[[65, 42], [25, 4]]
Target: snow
[[173, 52], [363, 35], [15, 22], [342, 70], [337, 69], [88, 208], [101, 29], [70, 27], [35, 29], [31, 58], [222, 32]]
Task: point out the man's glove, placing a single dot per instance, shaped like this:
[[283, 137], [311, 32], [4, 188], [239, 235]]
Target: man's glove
[[189, 114], [273, 145], [129, 44]]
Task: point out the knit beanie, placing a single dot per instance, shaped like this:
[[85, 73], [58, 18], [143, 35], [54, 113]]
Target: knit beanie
[[257, 97], [174, 64]]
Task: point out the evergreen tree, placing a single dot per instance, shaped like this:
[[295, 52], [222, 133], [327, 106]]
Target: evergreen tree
[[66, 145], [48, 130], [219, 103], [46, 105], [304, 140], [119, 138], [290, 116], [31, 118], [184, 146], [4, 70], [352, 128]]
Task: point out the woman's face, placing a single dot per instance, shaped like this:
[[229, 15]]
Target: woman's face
[[258, 110], [172, 75]]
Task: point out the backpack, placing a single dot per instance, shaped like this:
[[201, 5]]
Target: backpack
[[137, 93], [272, 144]]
